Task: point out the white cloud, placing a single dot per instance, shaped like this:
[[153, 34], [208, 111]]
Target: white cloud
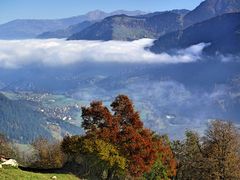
[[55, 52]]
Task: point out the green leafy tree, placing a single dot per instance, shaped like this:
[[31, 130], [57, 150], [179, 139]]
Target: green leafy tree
[[101, 159], [190, 157], [164, 166], [107, 156]]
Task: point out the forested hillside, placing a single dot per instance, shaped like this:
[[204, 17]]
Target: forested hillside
[[20, 122]]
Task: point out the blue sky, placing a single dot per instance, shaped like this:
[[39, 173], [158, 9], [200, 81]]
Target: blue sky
[[48, 9]]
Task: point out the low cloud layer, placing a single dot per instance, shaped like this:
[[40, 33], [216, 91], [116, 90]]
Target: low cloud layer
[[55, 52]]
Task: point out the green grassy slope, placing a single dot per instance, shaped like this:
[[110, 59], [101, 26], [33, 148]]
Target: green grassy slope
[[17, 174]]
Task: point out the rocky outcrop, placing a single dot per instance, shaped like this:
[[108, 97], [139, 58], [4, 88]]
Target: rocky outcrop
[[10, 162]]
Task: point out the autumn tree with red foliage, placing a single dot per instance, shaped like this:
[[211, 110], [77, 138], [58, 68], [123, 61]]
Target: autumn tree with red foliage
[[125, 130]]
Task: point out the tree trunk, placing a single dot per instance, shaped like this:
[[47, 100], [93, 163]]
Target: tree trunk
[[111, 173]]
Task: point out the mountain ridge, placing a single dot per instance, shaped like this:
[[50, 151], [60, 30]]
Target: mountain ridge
[[64, 33], [211, 31], [110, 29], [209, 9], [123, 27], [30, 28]]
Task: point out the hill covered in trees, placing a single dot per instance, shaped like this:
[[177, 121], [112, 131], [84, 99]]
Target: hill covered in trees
[[123, 27], [20, 122]]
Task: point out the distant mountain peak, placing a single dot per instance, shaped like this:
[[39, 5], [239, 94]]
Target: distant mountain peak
[[96, 14], [96, 11]]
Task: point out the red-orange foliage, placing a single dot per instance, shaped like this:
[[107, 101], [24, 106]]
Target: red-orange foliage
[[168, 159], [125, 130]]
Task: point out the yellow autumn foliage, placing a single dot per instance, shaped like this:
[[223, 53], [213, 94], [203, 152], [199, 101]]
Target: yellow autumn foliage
[[105, 151]]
